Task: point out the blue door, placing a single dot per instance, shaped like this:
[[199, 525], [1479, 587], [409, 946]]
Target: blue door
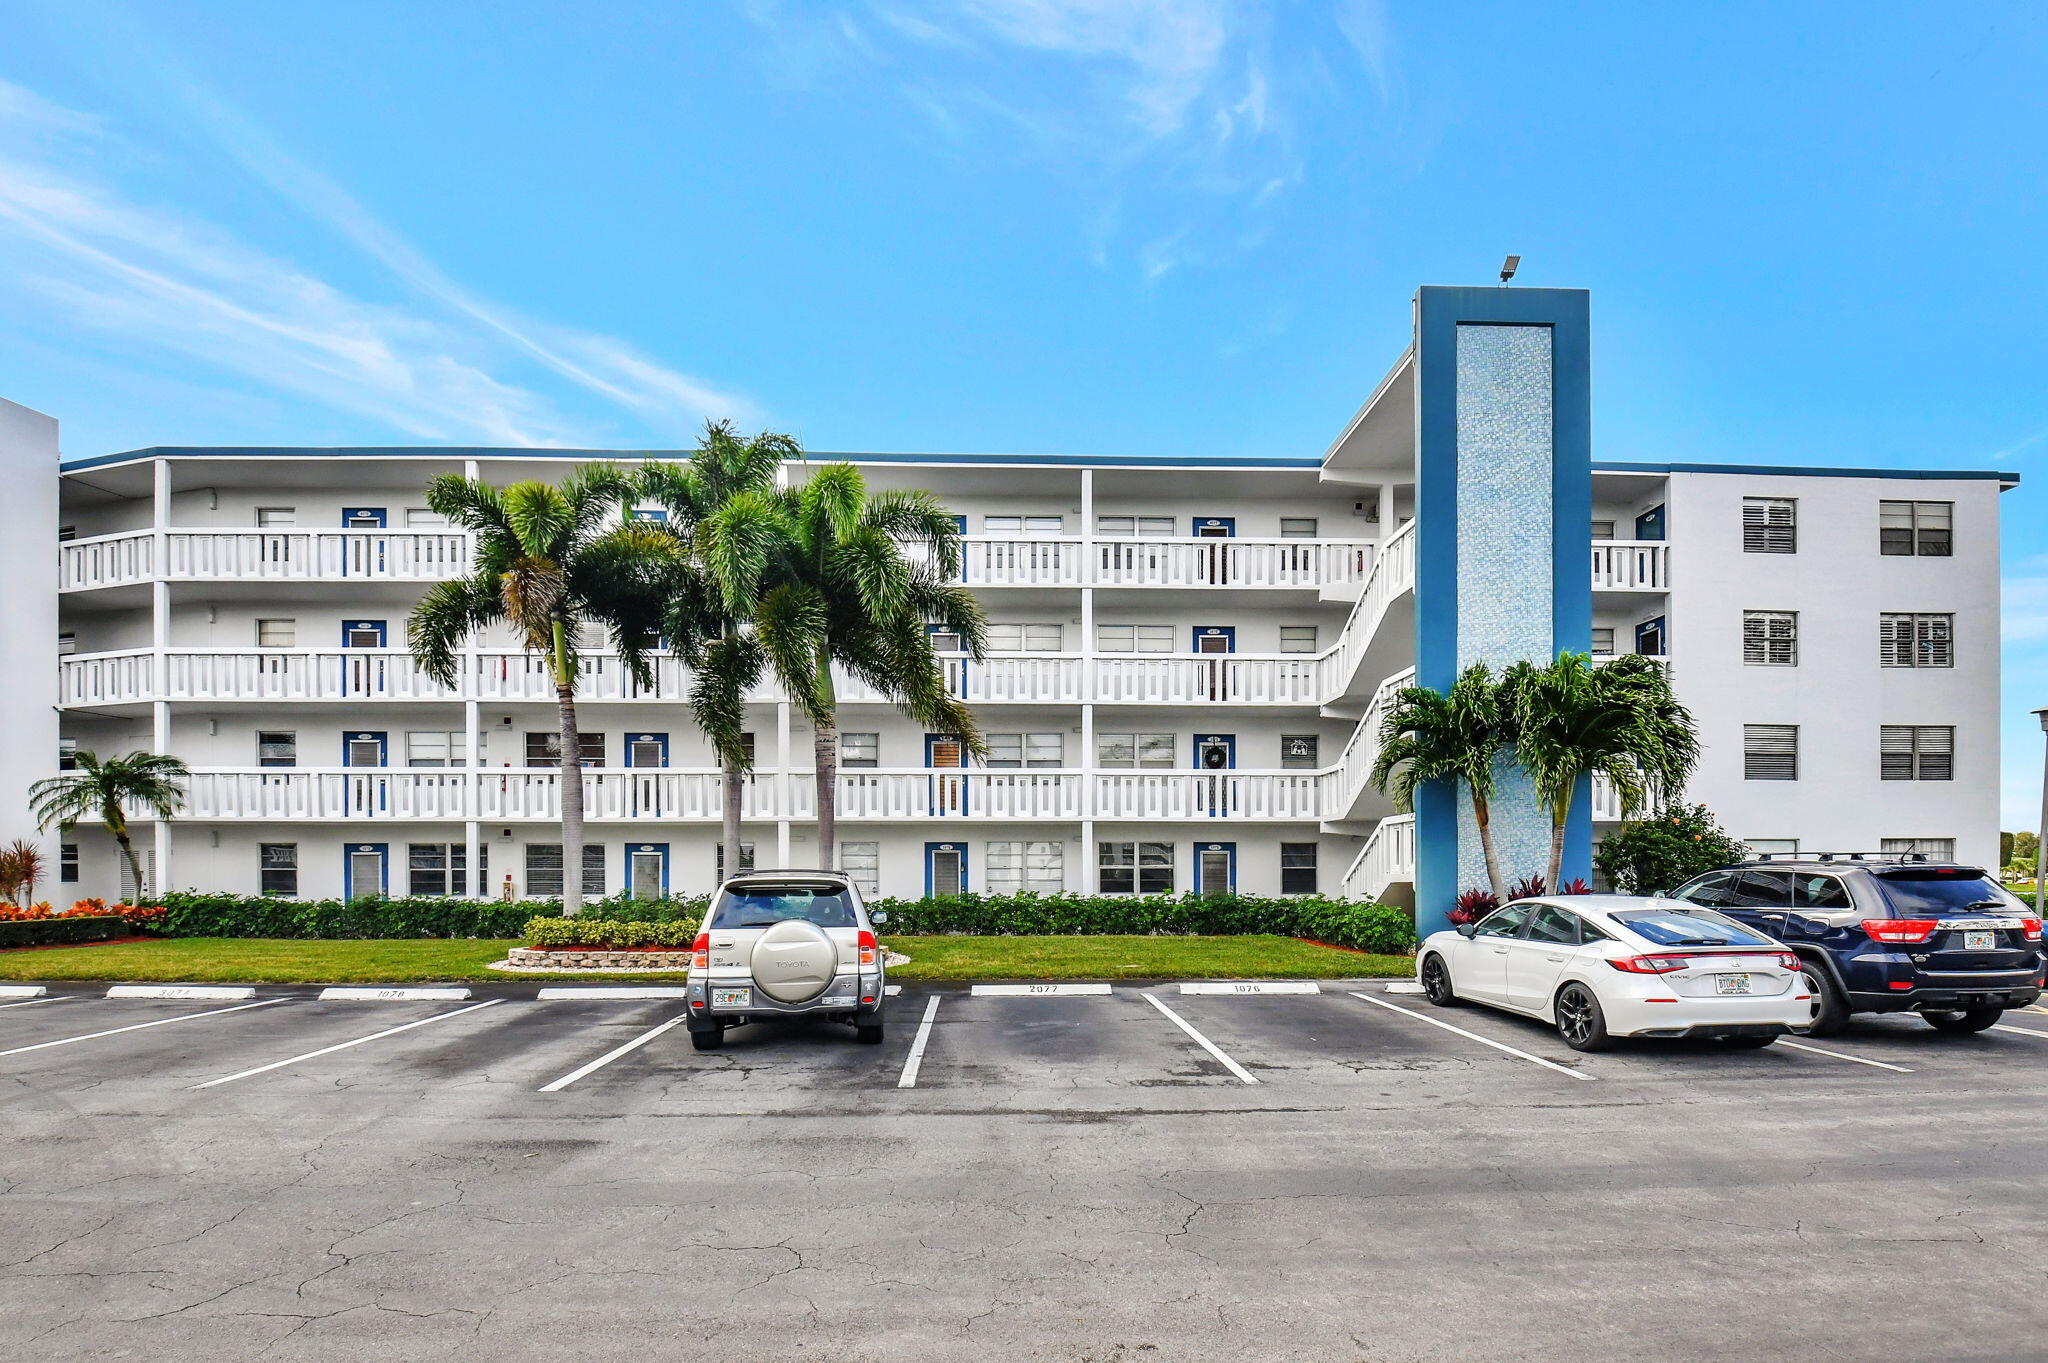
[[946, 642], [945, 869], [359, 749], [362, 518], [1215, 527], [1650, 640], [363, 633], [1215, 639], [647, 869], [365, 869], [947, 785], [646, 750], [1215, 868], [1216, 754], [1650, 525]]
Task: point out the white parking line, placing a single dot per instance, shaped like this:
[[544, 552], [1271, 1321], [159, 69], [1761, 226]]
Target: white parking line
[[1484, 1041], [1200, 1040], [342, 1046], [924, 1036], [1838, 1055], [631, 1046], [26, 1002], [138, 1026], [1251, 987], [2023, 1031], [1013, 991]]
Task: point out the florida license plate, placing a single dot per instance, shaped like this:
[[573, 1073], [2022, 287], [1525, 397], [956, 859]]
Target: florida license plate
[[1731, 984], [732, 998], [1980, 940]]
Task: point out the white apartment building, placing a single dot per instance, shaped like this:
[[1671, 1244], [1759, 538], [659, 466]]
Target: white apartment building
[[1188, 663]]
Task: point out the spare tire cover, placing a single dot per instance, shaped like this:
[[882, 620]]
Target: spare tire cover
[[794, 961]]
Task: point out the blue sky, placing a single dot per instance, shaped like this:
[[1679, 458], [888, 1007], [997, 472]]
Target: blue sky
[[1814, 232]]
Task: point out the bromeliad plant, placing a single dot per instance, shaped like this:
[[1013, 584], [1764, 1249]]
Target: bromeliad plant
[[21, 866], [549, 560], [106, 789]]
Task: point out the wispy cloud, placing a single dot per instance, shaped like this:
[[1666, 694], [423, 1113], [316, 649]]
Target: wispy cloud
[[2024, 610], [445, 366]]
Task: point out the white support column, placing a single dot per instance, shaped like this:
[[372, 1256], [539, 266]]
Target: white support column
[[785, 778], [472, 736], [159, 645], [1090, 559]]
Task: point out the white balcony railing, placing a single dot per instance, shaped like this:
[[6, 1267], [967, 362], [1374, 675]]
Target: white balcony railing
[[1631, 565], [513, 794]]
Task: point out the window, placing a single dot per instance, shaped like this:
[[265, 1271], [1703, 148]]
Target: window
[[1134, 750], [421, 517], [1297, 527], [1026, 867], [67, 644], [1297, 868], [67, 863], [276, 633], [545, 749], [1819, 892], [1770, 525], [1300, 752], [1025, 638], [1144, 527], [862, 862], [1134, 638], [1023, 525], [1603, 530], [130, 891], [67, 754], [746, 859], [1297, 638], [1505, 922], [544, 868], [1772, 846], [277, 868], [1917, 752], [277, 748], [1603, 641], [66, 532], [860, 750], [439, 747], [437, 868], [945, 640], [1135, 868], [1939, 849], [1770, 638], [1027, 750], [1770, 752], [276, 517], [1916, 640], [1559, 927], [1909, 528]]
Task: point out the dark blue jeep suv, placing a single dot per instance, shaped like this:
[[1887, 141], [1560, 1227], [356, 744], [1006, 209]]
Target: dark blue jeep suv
[[1888, 934]]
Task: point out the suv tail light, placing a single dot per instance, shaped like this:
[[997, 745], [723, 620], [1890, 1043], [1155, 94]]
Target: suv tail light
[[2030, 928], [1900, 929], [868, 946], [700, 952]]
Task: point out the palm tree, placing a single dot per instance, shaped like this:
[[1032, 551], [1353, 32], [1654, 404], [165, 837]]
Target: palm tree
[[837, 577], [547, 560], [718, 641], [1619, 720], [1457, 736], [107, 789]]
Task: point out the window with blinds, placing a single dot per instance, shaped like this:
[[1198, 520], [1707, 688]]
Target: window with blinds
[[1770, 752], [1916, 640], [1917, 752], [1034, 867], [1770, 525], [1021, 638], [1027, 750], [1134, 638], [1940, 849], [1906, 529], [862, 862], [1770, 638]]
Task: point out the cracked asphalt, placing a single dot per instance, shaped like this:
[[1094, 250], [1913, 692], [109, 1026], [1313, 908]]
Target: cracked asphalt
[[1071, 1178]]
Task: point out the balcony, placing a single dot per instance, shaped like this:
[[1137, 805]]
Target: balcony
[[1631, 566], [516, 794]]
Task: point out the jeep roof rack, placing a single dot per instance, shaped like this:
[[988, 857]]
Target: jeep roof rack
[[1903, 858]]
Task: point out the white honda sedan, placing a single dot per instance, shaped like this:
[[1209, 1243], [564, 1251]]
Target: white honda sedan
[[1602, 966]]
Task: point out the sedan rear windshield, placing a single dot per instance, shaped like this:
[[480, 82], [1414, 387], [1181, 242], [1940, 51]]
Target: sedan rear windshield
[[1921, 890], [763, 906], [1688, 928]]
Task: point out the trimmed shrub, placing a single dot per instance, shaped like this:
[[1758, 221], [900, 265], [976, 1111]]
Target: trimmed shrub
[[1340, 922], [371, 917], [65, 930], [1660, 853], [610, 933]]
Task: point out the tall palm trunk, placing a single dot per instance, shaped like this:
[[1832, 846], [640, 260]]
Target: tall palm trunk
[[1482, 815], [735, 792], [571, 743], [1558, 815], [825, 761], [117, 824]]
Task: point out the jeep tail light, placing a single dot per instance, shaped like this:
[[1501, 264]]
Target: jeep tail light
[[2030, 928], [700, 952], [1900, 929], [1650, 965], [868, 946]]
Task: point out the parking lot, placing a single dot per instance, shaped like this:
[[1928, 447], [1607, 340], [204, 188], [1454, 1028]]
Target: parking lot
[[1139, 1172]]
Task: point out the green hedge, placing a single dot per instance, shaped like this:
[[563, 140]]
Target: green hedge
[[44, 932], [1347, 923], [608, 932]]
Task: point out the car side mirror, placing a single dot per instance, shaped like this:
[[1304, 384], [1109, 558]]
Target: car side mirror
[[880, 918], [1467, 929]]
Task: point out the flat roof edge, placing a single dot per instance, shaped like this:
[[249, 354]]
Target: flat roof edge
[[1220, 462], [1807, 471]]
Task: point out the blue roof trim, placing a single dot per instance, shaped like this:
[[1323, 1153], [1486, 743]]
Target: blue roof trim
[[816, 456], [1806, 471]]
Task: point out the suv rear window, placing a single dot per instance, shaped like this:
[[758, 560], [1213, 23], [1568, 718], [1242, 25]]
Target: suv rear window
[[1934, 889], [764, 905], [1688, 927]]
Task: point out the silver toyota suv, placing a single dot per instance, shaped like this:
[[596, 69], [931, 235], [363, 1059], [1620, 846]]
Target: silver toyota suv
[[785, 944]]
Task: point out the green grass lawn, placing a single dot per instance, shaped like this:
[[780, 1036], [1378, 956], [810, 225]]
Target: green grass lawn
[[241, 960]]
